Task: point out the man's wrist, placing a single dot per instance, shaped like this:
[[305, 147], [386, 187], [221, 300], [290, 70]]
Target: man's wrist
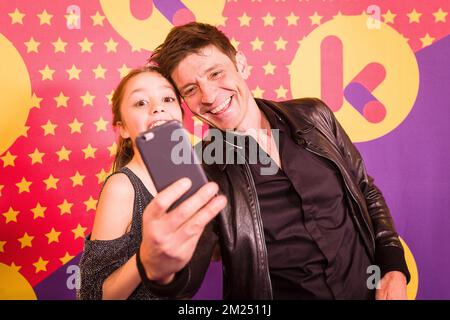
[[172, 289], [146, 274]]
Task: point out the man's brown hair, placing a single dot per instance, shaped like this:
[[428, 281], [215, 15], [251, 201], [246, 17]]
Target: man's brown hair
[[187, 39]]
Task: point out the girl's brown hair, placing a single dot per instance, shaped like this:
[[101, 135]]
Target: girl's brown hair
[[125, 150]]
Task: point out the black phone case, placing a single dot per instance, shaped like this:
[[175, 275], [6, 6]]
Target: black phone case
[[155, 146]]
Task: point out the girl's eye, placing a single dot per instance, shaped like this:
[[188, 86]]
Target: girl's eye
[[141, 103], [168, 99]]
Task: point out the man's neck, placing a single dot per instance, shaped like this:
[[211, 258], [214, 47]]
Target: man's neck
[[254, 119]]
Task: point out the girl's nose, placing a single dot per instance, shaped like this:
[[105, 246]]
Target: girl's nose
[[158, 109]]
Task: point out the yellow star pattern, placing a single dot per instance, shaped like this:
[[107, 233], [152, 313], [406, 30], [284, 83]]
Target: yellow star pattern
[[74, 73], [49, 128], [235, 43], [257, 44], [24, 132], [77, 179], [15, 267], [426, 40], [258, 92], [75, 126], [89, 152], [63, 154], [67, 257], [38, 211], [292, 19], [59, 45], [65, 207], [2, 246], [53, 236], [269, 68], [40, 265], [109, 96], [51, 182], [440, 16], [45, 18], [197, 121], [135, 48], [315, 18], [389, 17], [35, 101], [101, 124], [61, 100], [25, 241], [32, 45], [99, 72], [244, 20], [16, 17], [90, 203], [97, 19], [85, 45], [8, 159], [47, 73], [268, 20], [280, 44], [24, 185], [87, 99], [101, 176], [111, 45], [112, 149], [414, 16], [78, 232], [123, 70], [72, 19], [1, 188], [36, 156], [10, 215]]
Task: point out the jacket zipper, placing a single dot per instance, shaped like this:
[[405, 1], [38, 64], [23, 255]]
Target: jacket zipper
[[350, 191], [261, 229]]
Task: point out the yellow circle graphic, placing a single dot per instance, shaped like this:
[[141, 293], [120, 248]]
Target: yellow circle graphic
[[413, 284], [13, 286], [15, 88], [361, 46], [150, 32]]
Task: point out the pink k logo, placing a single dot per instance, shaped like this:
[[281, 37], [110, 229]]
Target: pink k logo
[[359, 91]]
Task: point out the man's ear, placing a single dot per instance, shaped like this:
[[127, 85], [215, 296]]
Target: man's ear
[[242, 66], [122, 130]]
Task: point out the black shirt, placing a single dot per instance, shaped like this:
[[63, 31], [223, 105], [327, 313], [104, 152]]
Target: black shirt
[[314, 250]]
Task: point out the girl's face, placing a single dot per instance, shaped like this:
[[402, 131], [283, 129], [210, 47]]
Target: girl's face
[[149, 100]]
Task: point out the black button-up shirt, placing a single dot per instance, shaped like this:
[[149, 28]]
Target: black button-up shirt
[[314, 250]]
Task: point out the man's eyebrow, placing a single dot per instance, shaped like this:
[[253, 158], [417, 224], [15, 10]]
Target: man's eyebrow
[[203, 73]]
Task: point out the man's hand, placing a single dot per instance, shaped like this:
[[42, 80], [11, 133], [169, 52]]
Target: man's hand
[[393, 287], [170, 238]]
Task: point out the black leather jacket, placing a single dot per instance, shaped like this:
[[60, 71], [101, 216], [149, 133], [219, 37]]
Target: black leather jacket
[[239, 230]]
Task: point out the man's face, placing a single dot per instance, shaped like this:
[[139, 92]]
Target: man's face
[[213, 88]]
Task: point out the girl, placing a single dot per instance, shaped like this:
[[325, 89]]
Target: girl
[[144, 99]]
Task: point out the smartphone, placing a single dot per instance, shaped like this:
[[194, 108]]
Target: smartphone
[[169, 156]]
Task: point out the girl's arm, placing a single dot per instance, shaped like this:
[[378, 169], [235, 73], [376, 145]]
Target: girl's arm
[[112, 220]]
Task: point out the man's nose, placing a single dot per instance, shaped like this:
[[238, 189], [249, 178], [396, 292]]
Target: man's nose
[[209, 93]]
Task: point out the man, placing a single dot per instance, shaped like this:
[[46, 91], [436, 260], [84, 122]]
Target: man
[[309, 231]]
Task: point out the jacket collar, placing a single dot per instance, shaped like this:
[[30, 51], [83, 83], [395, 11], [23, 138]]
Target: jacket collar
[[298, 124]]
